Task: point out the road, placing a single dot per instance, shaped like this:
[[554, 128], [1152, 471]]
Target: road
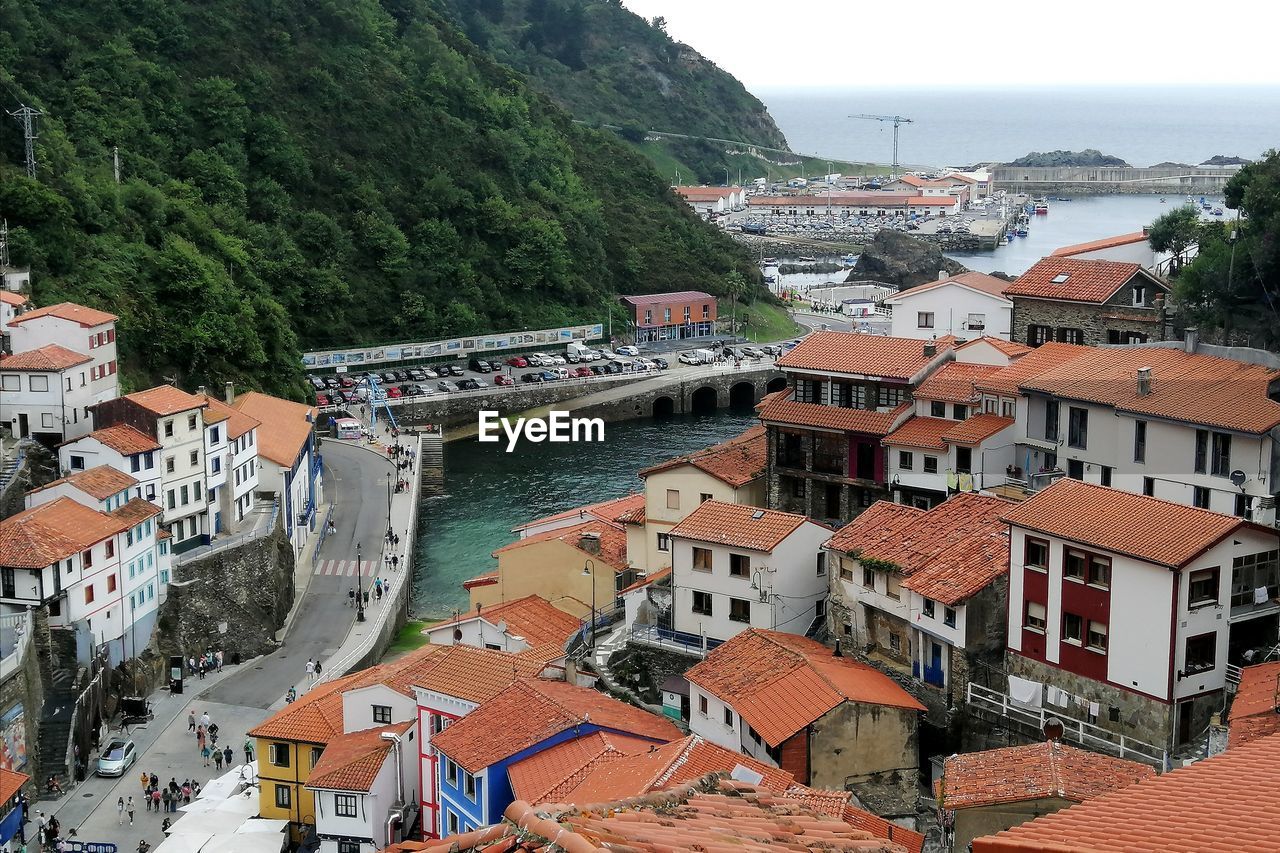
[[354, 482]]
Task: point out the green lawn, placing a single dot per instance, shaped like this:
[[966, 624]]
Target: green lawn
[[768, 322], [409, 637]]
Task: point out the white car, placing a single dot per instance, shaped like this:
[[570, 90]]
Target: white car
[[645, 364], [608, 354], [628, 350], [688, 358], [535, 360], [430, 374], [558, 359]]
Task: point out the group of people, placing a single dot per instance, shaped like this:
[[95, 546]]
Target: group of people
[[402, 457], [48, 831], [210, 661]]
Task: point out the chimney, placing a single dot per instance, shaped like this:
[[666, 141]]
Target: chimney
[[1144, 381], [837, 653], [589, 541], [930, 349], [230, 394], [1191, 339], [942, 274], [200, 391]]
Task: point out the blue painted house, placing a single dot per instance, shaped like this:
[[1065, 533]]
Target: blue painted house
[[525, 719], [13, 807]]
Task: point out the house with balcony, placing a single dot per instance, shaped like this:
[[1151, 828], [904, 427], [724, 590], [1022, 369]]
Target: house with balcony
[[1124, 610], [122, 448], [735, 567], [78, 328], [923, 592], [967, 305], [1087, 302], [830, 721], [45, 394], [288, 466], [846, 392]]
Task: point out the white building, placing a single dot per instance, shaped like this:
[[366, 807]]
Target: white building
[[1134, 248], [102, 488], [529, 623], [10, 304], [968, 305], [365, 787], [80, 329], [45, 393], [713, 199], [231, 460], [289, 467], [846, 204], [736, 567], [120, 447]]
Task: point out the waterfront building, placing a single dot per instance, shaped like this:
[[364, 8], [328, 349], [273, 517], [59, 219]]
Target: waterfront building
[[709, 200], [45, 393], [735, 567], [862, 204], [520, 625], [1128, 608], [830, 721], [612, 510], [83, 330], [968, 305], [683, 315], [120, 447], [1087, 302]]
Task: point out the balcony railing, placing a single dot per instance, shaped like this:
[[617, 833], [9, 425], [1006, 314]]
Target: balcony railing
[[666, 638]]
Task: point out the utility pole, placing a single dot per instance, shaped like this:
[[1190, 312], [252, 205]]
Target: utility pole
[[4, 244], [26, 116], [115, 162]]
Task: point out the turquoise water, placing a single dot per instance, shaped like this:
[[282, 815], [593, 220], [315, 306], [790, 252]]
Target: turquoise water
[[490, 491]]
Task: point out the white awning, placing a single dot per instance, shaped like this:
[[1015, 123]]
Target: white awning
[[1038, 444], [263, 824], [185, 843], [251, 842]]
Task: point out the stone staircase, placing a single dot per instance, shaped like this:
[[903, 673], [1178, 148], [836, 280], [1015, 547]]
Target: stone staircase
[[431, 458], [58, 670]]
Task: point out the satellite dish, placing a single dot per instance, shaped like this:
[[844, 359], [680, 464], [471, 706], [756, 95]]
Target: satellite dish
[[1237, 478], [1053, 728], [501, 626]]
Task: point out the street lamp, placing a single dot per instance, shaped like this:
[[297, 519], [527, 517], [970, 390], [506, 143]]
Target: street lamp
[[589, 570], [359, 586]]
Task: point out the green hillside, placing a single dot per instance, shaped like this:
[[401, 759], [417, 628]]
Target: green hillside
[[315, 172]]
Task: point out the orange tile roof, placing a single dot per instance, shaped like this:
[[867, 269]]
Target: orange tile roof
[[1187, 387], [42, 535], [1009, 380], [486, 579], [779, 683], [738, 525], [947, 554], [531, 711], [676, 763], [99, 482], [1255, 710], [548, 776], [651, 578], [136, 511], [921, 432], [839, 804], [1036, 771], [1135, 525], [1225, 803], [48, 358], [124, 439], [976, 429], [533, 618], [673, 296], [859, 354], [614, 509], [1087, 281], [286, 425], [165, 400], [736, 462], [613, 542], [1009, 348], [316, 716], [953, 382], [8, 297], [86, 317], [238, 423], [1104, 243], [352, 760], [981, 282], [786, 412], [11, 782], [465, 672]]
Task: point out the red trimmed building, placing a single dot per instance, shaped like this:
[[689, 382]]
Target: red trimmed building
[[678, 316]]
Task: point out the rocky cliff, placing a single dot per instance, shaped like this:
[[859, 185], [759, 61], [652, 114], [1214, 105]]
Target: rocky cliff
[[899, 259]]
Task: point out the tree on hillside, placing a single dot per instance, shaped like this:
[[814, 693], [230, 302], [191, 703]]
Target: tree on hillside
[[1175, 232], [735, 287]]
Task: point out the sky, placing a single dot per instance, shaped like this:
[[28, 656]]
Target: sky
[[816, 44]]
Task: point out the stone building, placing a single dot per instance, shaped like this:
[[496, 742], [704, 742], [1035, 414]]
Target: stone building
[[1089, 302]]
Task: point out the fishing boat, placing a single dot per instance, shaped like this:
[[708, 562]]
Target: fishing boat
[[1164, 200], [849, 260], [804, 259], [1042, 206]]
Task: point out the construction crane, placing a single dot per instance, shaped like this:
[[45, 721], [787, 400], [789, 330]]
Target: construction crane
[[897, 121]]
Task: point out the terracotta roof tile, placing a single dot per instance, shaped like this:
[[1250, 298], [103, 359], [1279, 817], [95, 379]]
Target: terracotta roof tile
[[532, 618], [486, 579], [99, 482], [738, 525], [953, 382], [674, 296], [1033, 772], [11, 783], [1086, 281], [1009, 380], [981, 282], [786, 412], [1009, 348], [8, 297], [613, 509], [465, 672], [548, 776], [136, 511], [42, 535], [736, 462], [1134, 525], [860, 355], [651, 578], [531, 711], [1104, 243], [1225, 803], [876, 530], [779, 683], [238, 423], [1255, 710], [921, 432], [613, 541], [165, 400], [316, 716], [1188, 387], [839, 804], [351, 761], [976, 429], [85, 316], [48, 358], [286, 426], [124, 440]]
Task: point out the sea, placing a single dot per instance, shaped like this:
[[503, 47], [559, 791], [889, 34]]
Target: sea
[[956, 127]]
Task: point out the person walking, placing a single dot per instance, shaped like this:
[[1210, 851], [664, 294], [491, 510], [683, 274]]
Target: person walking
[[146, 799], [217, 759], [200, 737], [153, 781], [120, 811], [155, 799], [351, 597], [164, 800], [248, 751], [319, 668], [128, 807], [191, 721], [228, 755], [204, 753], [311, 670], [146, 780], [204, 719]]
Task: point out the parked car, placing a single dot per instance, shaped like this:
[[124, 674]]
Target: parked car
[[660, 362], [611, 367], [628, 350], [607, 354], [387, 376], [117, 757], [572, 357], [446, 385], [479, 365], [394, 393], [401, 375], [470, 385], [583, 372], [317, 383], [533, 359], [598, 370], [346, 381], [751, 352], [332, 382], [518, 361], [416, 374], [416, 391], [688, 358], [451, 370], [535, 376], [557, 359], [428, 373], [322, 399], [503, 379], [772, 349], [548, 376]]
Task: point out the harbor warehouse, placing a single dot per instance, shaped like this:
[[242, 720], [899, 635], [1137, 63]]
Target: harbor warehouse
[[672, 316]]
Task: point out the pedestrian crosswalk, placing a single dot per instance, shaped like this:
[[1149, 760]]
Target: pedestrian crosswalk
[[347, 568]]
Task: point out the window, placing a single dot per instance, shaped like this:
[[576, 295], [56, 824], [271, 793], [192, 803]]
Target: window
[[868, 578], [168, 465], [977, 322], [1202, 450], [701, 603], [280, 754], [664, 542], [452, 821], [284, 797], [38, 383], [1051, 420], [191, 422], [1034, 618], [821, 567], [739, 610], [1221, 459], [1202, 587], [88, 594], [87, 559], [1077, 427], [927, 609], [924, 320], [1149, 486], [906, 459], [703, 497], [450, 772], [1008, 408], [702, 705], [648, 316], [1099, 571], [706, 312], [110, 546], [111, 583], [1104, 475], [195, 458], [1072, 628], [10, 382], [702, 559], [687, 313], [182, 490], [1073, 566], [931, 464], [1201, 654], [1037, 335], [959, 412], [1071, 336], [1097, 636], [1139, 295], [1139, 441], [808, 391], [728, 717], [172, 503], [739, 566], [469, 786], [949, 617], [893, 586], [344, 805], [891, 396], [895, 642], [1251, 573], [382, 714], [1244, 506], [1200, 497], [673, 498], [168, 428], [666, 315], [964, 459]]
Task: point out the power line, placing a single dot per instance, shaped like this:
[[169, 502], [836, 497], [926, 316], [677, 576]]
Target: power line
[[26, 116]]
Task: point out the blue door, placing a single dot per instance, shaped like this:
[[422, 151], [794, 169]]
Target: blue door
[[933, 672]]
